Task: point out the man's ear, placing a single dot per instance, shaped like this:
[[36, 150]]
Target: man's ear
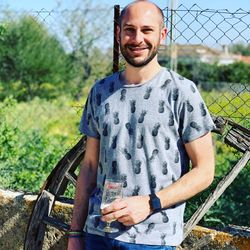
[[117, 34], [164, 32]]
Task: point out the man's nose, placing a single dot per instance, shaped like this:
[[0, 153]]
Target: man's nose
[[138, 36]]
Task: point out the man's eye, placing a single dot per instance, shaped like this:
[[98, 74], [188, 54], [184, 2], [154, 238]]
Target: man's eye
[[129, 29], [147, 30]]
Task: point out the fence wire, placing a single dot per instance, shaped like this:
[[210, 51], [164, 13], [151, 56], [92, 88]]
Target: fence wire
[[206, 35]]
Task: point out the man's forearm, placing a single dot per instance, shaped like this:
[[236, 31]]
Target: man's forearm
[[86, 183], [201, 154], [186, 187]]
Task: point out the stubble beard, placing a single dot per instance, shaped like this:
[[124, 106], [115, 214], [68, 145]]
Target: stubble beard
[[130, 60]]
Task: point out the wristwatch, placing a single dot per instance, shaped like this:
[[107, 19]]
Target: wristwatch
[[155, 203]]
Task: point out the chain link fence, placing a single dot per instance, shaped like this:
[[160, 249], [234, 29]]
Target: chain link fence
[[207, 36]]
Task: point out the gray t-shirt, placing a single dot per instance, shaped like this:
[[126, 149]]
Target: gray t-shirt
[[142, 130]]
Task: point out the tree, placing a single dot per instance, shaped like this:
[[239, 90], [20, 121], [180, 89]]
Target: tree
[[240, 48], [212, 75], [85, 31], [30, 56], [198, 72], [204, 72], [237, 72]]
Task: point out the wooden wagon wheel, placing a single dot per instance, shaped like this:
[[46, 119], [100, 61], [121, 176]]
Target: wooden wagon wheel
[[54, 187]]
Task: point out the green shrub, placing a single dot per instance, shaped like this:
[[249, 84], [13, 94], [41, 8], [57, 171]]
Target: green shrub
[[33, 137]]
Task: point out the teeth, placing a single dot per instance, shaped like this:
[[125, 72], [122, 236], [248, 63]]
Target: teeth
[[137, 48]]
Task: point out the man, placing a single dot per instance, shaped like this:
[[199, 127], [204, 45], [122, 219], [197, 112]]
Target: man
[[144, 125]]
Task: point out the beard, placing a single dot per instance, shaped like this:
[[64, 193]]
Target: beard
[[153, 51]]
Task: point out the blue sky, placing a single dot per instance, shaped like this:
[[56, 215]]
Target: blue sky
[[231, 5], [234, 32]]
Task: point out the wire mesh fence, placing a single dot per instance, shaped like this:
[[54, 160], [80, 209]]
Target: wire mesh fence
[[208, 36]]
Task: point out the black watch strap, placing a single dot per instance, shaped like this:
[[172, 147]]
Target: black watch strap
[[155, 203]]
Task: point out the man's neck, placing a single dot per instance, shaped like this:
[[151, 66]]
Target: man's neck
[[134, 75]]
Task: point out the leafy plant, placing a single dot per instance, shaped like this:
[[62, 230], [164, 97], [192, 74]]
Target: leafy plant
[[28, 151]]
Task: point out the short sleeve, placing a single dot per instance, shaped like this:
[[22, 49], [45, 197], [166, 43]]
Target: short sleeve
[[195, 120], [88, 123]]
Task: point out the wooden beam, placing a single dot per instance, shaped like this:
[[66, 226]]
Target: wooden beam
[[214, 196]]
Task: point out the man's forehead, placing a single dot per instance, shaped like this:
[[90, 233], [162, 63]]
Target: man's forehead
[[142, 7], [142, 12], [146, 17], [128, 24], [142, 4]]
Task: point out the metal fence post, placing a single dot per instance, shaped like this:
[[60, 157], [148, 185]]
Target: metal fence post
[[116, 44]]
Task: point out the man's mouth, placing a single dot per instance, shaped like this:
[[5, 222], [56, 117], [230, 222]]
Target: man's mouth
[[137, 48]]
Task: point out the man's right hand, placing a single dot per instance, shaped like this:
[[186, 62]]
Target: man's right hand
[[76, 244]]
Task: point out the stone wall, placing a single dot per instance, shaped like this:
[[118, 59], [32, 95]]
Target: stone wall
[[15, 210], [16, 207]]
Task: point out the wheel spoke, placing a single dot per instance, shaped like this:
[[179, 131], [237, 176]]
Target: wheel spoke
[[56, 223], [71, 177]]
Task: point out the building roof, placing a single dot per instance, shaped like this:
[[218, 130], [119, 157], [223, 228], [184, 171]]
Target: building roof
[[203, 53], [245, 59]]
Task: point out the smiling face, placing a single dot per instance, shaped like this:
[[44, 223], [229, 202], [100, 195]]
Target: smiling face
[[141, 33]]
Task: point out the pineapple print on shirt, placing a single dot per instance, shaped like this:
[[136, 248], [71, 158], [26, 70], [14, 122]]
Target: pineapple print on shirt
[[139, 135]]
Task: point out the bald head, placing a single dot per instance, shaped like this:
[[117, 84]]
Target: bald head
[[145, 4]]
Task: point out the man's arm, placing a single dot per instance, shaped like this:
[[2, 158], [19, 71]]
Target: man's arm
[[133, 210], [86, 182], [201, 154]]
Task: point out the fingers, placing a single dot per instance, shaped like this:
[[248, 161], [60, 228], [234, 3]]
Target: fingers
[[115, 206], [116, 215], [128, 211], [126, 221], [119, 216]]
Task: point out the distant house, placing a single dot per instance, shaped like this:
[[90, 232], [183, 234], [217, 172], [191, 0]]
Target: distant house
[[202, 53], [245, 59]]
